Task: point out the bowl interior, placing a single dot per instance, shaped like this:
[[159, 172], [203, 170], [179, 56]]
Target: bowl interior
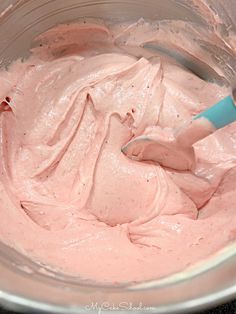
[[24, 284]]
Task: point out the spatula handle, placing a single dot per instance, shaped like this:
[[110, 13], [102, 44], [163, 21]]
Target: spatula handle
[[221, 114]]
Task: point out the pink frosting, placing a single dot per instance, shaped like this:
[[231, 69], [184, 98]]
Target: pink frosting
[[70, 199]]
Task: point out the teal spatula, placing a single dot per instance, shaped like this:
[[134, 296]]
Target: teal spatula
[[175, 150]]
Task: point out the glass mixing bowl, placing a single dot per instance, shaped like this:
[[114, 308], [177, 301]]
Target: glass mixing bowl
[[29, 287]]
